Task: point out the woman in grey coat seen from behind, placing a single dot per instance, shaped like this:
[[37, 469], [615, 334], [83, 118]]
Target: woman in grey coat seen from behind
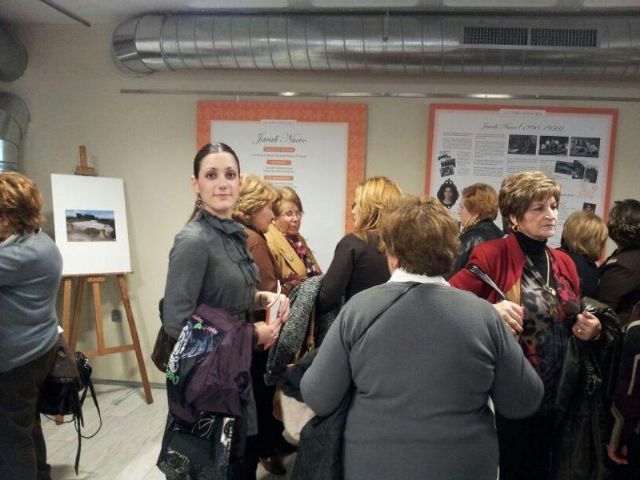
[[425, 369]]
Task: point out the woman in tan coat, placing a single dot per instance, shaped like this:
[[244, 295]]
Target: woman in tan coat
[[290, 250], [254, 211]]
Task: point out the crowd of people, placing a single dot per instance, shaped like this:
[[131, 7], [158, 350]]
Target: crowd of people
[[465, 350]]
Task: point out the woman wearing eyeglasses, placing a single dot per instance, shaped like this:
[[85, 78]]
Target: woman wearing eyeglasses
[[290, 250]]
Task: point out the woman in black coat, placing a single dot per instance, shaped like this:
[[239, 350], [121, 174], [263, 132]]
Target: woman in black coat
[[478, 210], [619, 285], [358, 263]]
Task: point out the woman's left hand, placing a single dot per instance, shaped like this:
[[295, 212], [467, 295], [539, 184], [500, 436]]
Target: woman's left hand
[[268, 298], [587, 327], [283, 310]]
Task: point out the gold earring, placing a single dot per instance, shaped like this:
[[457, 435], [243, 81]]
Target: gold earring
[[515, 227]]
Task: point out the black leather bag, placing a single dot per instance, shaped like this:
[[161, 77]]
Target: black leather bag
[[320, 457], [60, 392], [65, 390], [163, 347]]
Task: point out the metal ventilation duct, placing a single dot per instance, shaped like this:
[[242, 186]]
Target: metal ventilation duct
[[14, 121], [520, 45], [13, 56]]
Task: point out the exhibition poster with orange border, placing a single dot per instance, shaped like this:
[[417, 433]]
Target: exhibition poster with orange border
[[317, 148], [486, 143]]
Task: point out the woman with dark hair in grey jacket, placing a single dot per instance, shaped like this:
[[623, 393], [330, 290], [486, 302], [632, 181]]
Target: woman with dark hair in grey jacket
[[210, 264]]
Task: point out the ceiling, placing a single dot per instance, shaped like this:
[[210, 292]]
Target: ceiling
[[113, 11]]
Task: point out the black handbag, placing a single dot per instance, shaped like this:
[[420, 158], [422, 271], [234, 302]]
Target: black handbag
[[320, 452], [65, 389], [163, 347]]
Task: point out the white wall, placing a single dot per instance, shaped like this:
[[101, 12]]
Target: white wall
[[73, 92]]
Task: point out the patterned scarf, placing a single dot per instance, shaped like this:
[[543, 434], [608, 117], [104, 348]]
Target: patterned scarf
[[301, 250], [548, 318]]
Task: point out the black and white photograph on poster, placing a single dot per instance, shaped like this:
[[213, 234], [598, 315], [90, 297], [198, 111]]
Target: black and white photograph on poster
[[553, 145], [585, 147], [589, 207], [90, 222], [90, 225], [564, 168], [578, 170], [522, 144], [591, 174], [447, 164], [448, 193]]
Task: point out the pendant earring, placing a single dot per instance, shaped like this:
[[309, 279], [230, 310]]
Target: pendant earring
[[199, 203], [515, 227]]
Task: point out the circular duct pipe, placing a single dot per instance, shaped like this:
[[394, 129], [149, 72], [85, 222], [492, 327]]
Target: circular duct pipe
[[14, 121], [13, 56]]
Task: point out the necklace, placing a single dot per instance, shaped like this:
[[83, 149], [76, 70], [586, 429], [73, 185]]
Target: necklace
[[547, 287]]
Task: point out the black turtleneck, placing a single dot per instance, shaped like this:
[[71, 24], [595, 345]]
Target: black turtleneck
[[535, 250]]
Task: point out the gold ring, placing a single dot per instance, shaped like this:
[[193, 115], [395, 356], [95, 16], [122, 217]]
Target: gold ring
[[578, 330]]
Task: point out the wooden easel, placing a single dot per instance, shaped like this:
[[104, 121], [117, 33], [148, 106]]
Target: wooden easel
[[71, 318]]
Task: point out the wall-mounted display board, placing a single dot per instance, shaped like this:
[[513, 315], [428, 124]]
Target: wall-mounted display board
[[317, 148], [90, 221], [486, 143]]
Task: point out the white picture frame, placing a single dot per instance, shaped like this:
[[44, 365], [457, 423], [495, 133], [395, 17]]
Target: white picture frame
[[90, 222]]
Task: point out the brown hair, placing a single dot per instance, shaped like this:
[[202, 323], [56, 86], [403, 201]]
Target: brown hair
[[20, 203], [584, 233], [624, 223], [372, 197], [421, 233], [520, 190], [255, 194], [481, 199], [286, 194]]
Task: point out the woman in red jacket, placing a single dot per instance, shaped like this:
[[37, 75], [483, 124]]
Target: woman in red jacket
[[541, 305]]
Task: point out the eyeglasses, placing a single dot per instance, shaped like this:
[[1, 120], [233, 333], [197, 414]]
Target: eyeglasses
[[292, 214]]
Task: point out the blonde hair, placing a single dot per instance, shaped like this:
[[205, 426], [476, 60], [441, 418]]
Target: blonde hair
[[421, 233], [20, 202], [286, 194], [482, 200], [372, 197], [255, 194], [584, 233], [520, 190]]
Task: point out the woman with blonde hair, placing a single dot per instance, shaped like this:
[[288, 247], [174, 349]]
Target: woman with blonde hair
[[254, 211], [30, 271], [358, 263], [583, 237], [293, 256]]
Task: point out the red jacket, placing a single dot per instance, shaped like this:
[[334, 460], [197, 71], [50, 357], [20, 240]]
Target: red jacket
[[504, 261]]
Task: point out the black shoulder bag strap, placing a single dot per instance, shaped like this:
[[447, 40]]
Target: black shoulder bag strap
[[373, 320], [477, 271]]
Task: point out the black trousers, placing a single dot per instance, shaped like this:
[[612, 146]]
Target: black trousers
[[525, 447], [23, 453], [270, 440], [632, 470]]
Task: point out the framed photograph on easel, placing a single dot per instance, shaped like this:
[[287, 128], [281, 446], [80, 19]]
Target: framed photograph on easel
[[90, 220]]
